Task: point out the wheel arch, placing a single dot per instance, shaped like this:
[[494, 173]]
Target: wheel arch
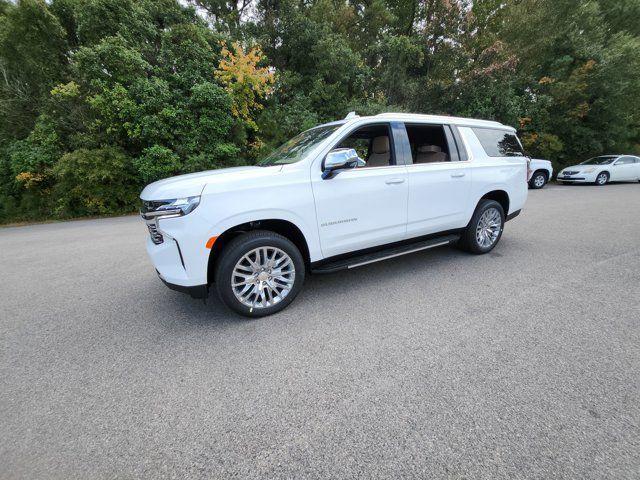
[[543, 171], [500, 196], [282, 227]]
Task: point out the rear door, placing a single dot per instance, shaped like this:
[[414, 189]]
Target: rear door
[[624, 168], [439, 179]]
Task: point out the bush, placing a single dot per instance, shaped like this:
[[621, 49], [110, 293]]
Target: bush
[[157, 162], [95, 182]]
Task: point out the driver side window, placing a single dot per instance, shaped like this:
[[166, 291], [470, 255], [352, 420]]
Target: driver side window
[[373, 143]]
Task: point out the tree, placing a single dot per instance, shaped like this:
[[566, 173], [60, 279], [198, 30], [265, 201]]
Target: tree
[[151, 88]]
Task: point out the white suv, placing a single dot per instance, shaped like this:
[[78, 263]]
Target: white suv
[[542, 173], [338, 196]]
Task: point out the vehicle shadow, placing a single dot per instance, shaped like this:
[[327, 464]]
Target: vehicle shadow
[[343, 286]]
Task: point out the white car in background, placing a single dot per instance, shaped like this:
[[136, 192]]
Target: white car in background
[[603, 169], [542, 173]]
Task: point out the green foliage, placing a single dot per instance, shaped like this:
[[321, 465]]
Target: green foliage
[[33, 57], [94, 182], [157, 162], [38, 152], [121, 92], [99, 97]]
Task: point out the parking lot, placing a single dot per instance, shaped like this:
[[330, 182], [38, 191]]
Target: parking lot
[[524, 363]]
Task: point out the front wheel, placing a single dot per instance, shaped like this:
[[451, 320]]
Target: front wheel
[[538, 180], [259, 273], [602, 178], [485, 228]]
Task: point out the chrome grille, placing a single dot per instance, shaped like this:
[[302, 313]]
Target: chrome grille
[[156, 236], [570, 172]]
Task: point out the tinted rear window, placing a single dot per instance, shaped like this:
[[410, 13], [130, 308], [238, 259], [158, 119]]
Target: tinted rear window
[[499, 143]]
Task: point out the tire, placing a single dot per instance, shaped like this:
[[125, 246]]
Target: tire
[[538, 180], [602, 179], [251, 258], [470, 241]]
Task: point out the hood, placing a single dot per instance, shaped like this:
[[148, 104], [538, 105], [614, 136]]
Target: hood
[[192, 184]]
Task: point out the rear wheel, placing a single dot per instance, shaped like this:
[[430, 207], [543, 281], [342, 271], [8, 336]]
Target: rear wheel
[[602, 178], [538, 180], [259, 273], [485, 228]]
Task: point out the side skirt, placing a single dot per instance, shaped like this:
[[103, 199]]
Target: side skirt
[[365, 257], [512, 215]]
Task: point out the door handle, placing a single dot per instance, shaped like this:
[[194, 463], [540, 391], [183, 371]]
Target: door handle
[[458, 175], [392, 181]]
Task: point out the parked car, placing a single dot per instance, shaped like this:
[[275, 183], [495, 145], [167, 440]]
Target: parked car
[[542, 173], [338, 196], [603, 169]]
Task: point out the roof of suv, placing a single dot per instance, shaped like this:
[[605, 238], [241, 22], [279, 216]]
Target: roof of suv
[[417, 117]]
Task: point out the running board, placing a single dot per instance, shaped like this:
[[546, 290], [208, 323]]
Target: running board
[[391, 252]]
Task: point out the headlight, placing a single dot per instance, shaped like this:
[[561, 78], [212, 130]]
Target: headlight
[[589, 170], [175, 207]]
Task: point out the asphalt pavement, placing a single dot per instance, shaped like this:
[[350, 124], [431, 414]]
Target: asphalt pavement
[[523, 363]]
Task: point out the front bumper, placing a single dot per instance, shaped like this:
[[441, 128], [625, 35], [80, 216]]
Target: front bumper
[[177, 249], [577, 178], [168, 261], [195, 291]]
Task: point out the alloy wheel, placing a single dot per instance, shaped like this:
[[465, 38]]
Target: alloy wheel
[[263, 277], [539, 181], [488, 228], [602, 179]]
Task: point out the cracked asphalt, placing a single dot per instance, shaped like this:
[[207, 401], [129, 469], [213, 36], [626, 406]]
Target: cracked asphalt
[[524, 363]]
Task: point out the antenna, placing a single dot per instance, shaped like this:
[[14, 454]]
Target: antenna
[[351, 115]]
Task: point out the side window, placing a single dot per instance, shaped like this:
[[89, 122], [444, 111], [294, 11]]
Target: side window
[[429, 143], [374, 144], [499, 143], [625, 160]]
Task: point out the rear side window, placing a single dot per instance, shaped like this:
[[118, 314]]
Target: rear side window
[[499, 143], [625, 160], [430, 144]]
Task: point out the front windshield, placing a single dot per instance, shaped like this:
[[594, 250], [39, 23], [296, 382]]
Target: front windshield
[[603, 160], [295, 149]]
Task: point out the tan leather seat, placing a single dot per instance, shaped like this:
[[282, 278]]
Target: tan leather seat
[[431, 154], [380, 152]]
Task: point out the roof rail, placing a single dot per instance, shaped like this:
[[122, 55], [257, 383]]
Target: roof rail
[[442, 118]]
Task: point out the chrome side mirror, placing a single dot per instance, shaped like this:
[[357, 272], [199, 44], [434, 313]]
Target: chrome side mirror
[[340, 159]]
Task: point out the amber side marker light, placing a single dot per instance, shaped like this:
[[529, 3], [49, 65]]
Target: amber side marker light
[[211, 241]]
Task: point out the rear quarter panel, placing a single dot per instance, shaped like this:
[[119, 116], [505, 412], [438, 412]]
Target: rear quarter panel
[[494, 173]]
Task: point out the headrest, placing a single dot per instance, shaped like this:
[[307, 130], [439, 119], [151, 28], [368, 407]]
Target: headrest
[[429, 148], [381, 144]]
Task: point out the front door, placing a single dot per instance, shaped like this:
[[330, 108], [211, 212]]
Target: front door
[[367, 206]]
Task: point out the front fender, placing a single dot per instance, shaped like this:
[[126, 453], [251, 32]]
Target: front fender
[[308, 231]]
